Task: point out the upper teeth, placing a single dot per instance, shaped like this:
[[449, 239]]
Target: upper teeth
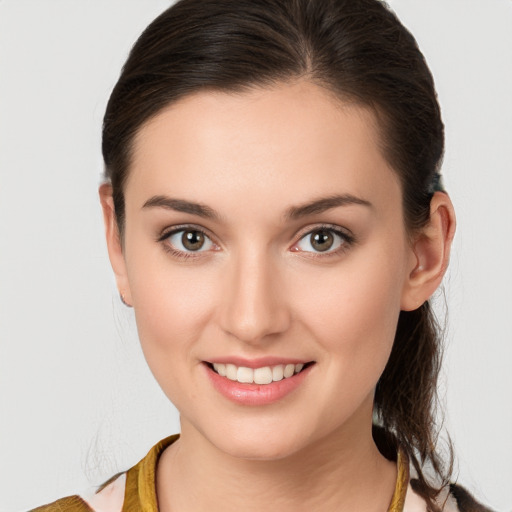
[[264, 375]]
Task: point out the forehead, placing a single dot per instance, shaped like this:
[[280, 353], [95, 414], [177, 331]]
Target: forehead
[[289, 143]]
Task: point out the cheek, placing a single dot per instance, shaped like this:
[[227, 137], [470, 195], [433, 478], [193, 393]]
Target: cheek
[[171, 304], [352, 309]]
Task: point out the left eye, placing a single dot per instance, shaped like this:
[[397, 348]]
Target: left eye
[[321, 240], [190, 240]]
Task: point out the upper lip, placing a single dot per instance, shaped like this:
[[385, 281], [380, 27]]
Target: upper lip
[[258, 362]]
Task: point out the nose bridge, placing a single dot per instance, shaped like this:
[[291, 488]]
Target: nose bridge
[[253, 306]]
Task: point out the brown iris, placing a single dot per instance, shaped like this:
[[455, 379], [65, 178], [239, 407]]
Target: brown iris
[[192, 240], [322, 240]]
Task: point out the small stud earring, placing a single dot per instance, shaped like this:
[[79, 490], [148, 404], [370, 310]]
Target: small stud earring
[[121, 296]]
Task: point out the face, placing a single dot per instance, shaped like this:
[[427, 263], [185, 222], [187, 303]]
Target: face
[[265, 240]]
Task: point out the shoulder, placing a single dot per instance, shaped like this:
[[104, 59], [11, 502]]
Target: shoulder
[[109, 498], [69, 504], [133, 489]]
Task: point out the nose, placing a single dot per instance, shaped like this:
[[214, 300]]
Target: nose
[[254, 305]]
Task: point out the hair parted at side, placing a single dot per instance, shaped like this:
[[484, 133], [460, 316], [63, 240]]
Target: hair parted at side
[[356, 49]]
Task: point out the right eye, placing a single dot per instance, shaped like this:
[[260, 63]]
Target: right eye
[[189, 241]]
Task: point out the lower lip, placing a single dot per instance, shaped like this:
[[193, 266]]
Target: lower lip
[[256, 394]]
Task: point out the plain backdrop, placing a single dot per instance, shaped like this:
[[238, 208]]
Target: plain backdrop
[[77, 403]]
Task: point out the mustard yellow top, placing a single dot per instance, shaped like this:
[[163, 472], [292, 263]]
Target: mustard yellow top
[[140, 491]]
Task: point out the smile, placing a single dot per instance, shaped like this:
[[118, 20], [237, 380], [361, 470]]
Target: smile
[[267, 382], [263, 375]]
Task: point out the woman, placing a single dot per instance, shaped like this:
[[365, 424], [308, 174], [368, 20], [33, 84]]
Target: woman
[[274, 214]]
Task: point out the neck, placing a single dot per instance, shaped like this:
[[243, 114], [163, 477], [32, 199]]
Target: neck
[[342, 471]]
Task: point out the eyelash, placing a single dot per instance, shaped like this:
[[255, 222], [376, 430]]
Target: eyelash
[[348, 240], [183, 255]]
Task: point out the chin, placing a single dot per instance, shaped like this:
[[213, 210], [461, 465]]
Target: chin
[[259, 442]]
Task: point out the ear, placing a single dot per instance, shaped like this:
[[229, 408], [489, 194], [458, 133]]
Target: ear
[[430, 253], [114, 243]]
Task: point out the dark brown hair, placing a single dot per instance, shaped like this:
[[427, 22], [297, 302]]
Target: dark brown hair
[[358, 50]]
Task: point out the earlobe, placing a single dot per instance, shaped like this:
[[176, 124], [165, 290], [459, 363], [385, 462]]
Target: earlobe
[[114, 243], [430, 253]]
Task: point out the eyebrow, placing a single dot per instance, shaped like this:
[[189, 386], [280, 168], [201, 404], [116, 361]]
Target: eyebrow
[[323, 204], [293, 213], [181, 205]]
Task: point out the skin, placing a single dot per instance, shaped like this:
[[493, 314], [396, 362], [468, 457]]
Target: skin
[[260, 289]]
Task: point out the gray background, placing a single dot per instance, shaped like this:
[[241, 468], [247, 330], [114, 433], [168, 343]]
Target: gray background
[[77, 403]]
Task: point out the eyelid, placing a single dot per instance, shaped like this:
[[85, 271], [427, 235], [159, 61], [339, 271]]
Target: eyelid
[[171, 230], [186, 255], [344, 233]]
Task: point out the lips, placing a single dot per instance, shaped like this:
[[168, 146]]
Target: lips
[[259, 382]]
